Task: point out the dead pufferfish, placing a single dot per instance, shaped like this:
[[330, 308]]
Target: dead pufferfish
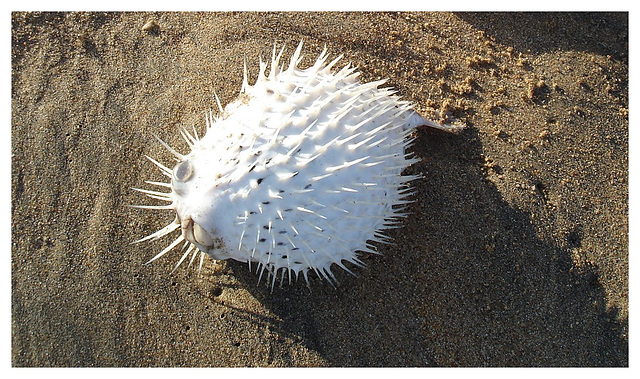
[[302, 171]]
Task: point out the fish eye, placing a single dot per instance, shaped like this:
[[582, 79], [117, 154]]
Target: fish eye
[[183, 171]]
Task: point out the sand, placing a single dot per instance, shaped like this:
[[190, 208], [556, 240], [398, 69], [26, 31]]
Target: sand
[[515, 252]]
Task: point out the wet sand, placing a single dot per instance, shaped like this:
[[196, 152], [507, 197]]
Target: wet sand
[[515, 252]]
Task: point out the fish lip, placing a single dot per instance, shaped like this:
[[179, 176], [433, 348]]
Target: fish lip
[[187, 226]]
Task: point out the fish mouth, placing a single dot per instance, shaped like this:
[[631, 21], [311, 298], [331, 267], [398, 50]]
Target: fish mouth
[[197, 235]]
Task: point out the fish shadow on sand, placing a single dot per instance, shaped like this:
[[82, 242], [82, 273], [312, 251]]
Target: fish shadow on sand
[[467, 282]]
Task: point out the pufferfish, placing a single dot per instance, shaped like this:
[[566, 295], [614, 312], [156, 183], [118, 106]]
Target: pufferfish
[[301, 172]]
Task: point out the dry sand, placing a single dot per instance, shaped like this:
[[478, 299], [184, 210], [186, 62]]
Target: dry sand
[[515, 253]]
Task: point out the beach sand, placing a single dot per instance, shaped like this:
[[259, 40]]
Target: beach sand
[[515, 252]]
